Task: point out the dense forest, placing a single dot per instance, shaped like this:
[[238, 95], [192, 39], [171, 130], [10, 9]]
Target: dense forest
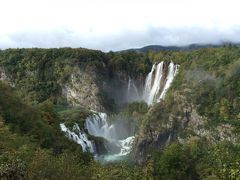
[[32, 145]]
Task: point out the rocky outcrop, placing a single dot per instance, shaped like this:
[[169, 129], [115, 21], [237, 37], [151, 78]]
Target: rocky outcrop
[[176, 124], [81, 90], [155, 133], [4, 78], [90, 90]]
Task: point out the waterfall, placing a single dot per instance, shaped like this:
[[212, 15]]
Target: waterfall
[[152, 83], [172, 70], [129, 83], [78, 136], [157, 82], [118, 133], [98, 126], [126, 145], [132, 91]]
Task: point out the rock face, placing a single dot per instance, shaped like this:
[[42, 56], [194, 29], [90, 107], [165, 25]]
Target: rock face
[[81, 90], [87, 90], [170, 125], [3, 76], [155, 134]]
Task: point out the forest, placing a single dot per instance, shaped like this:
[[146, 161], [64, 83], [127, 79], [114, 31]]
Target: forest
[[32, 145]]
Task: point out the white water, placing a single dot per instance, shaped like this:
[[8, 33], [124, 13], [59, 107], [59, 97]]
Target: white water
[[152, 84], [153, 92], [78, 136], [132, 91], [129, 84], [97, 125], [172, 71], [126, 145]]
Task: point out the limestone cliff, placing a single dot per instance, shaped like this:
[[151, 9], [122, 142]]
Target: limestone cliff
[[82, 90], [4, 77]]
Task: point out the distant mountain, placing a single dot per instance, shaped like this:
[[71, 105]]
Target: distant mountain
[[175, 48]]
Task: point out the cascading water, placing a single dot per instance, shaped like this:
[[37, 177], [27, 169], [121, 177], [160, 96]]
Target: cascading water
[[132, 91], [126, 145], [98, 126], [79, 137], [172, 70], [157, 83], [152, 83]]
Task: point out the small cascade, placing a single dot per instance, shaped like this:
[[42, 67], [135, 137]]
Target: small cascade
[[78, 136], [129, 83], [158, 81], [98, 126], [132, 91], [126, 145]]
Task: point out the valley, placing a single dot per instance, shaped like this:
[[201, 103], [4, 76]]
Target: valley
[[167, 114]]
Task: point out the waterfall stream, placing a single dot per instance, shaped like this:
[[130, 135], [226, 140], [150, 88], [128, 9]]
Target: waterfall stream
[[79, 137], [98, 126], [132, 91], [157, 82]]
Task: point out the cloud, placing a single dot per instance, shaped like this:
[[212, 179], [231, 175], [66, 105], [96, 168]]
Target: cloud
[[121, 40], [117, 24]]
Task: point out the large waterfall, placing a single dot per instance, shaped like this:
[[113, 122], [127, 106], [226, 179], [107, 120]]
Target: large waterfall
[[158, 81], [156, 84], [121, 135]]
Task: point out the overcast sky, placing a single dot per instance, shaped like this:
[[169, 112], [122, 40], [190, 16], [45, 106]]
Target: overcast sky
[[117, 24]]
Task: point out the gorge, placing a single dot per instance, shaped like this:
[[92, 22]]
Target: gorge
[[156, 85]]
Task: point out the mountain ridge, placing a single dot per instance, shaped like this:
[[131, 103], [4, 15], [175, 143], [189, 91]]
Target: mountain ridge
[[189, 47]]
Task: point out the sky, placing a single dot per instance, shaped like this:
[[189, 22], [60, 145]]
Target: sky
[[117, 24]]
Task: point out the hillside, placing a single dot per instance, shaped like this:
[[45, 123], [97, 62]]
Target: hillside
[[180, 108], [190, 47]]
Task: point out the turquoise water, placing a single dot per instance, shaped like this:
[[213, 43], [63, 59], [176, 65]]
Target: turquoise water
[[110, 158]]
